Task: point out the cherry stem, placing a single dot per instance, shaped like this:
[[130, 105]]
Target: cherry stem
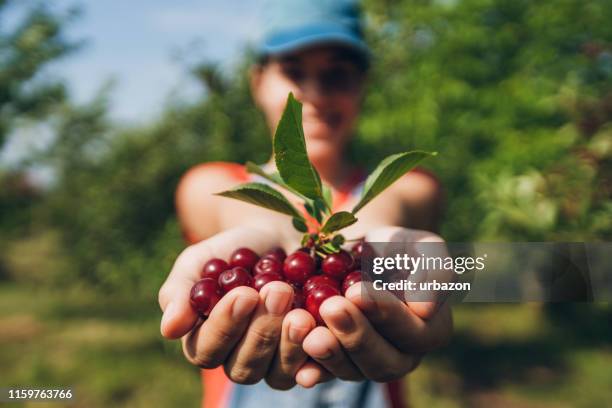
[[321, 254]]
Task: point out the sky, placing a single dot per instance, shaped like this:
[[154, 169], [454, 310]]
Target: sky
[[145, 46]]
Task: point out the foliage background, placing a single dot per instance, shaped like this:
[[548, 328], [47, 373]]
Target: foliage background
[[515, 95]]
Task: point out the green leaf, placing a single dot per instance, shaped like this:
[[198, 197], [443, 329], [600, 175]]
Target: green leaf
[[299, 225], [338, 221], [319, 209], [264, 196], [387, 172], [290, 153], [330, 248], [273, 177], [309, 207], [327, 196], [338, 240]]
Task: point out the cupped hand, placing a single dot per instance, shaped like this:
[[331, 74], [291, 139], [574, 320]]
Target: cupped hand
[[377, 339], [253, 335], [381, 337]]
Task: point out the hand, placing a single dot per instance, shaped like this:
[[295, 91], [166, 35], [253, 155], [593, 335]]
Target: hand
[[380, 337], [253, 335]]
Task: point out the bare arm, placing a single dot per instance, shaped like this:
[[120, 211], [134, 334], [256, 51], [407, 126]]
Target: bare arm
[[422, 200]]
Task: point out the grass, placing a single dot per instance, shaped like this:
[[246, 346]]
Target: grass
[[109, 349], [521, 356]]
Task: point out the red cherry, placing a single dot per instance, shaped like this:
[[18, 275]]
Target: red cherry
[[359, 250], [264, 278], [350, 279], [232, 278], [310, 242], [298, 299], [337, 265], [244, 257], [204, 295], [214, 267], [277, 253], [317, 296], [298, 267], [268, 264], [319, 280], [356, 252]]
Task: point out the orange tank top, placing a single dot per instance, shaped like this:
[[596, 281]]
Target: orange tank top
[[217, 387]]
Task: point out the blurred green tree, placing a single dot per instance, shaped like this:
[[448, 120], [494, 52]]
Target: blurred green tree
[[26, 47], [516, 95], [113, 201], [31, 36]]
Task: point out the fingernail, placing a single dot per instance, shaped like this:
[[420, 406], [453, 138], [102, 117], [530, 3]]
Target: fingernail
[[299, 377], [343, 321], [243, 307], [277, 300], [297, 334], [168, 314], [357, 294], [353, 292], [324, 356]]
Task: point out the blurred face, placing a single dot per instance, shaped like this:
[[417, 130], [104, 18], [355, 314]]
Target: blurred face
[[328, 83]]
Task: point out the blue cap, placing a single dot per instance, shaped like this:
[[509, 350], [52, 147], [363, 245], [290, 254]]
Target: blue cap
[[291, 25]]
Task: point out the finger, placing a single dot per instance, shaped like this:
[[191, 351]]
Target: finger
[[398, 323], [311, 374], [179, 318], [425, 303], [290, 355], [209, 345], [324, 348], [251, 359], [376, 358], [422, 244]]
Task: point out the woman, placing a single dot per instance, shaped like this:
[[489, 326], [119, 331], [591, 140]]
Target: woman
[[314, 49]]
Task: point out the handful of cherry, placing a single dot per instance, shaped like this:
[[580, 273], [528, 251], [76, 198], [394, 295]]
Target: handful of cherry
[[313, 278]]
